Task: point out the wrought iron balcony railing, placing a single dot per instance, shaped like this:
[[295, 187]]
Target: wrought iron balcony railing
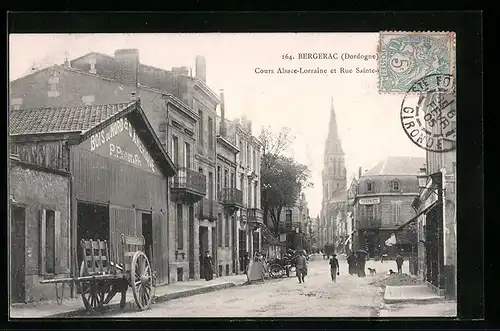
[[191, 180], [231, 197], [207, 209], [254, 215]]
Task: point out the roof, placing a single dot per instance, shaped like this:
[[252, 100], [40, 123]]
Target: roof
[[86, 120], [80, 118], [397, 166]]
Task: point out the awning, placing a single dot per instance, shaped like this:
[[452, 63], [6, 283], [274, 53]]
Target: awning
[[414, 218]]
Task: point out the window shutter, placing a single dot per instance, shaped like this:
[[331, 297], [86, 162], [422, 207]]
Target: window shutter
[[43, 242], [60, 248]]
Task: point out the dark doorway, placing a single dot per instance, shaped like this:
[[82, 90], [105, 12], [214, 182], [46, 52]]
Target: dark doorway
[[203, 244], [93, 223], [432, 251], [242, 245], [147, 232], [255, 245], [191, 242], [18, 254]]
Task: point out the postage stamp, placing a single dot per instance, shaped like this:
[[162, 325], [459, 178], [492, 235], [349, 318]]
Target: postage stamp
[[429, 117], [405, 57]]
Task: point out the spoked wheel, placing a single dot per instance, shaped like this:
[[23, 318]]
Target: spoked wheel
[[276, 270], [141, 280], [89, 290]]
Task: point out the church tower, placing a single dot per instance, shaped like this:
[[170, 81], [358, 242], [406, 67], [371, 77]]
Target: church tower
[[334, 171]]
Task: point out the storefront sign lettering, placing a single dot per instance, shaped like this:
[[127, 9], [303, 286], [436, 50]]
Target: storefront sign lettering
[[120, 151], [369, 201]]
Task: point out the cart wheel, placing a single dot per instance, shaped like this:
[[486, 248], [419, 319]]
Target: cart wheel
[[141, 281], [89, 291], [276, 270]]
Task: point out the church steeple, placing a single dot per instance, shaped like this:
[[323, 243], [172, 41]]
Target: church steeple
[[333, 144]]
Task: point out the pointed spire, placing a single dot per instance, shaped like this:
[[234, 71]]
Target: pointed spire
[[333, 144]]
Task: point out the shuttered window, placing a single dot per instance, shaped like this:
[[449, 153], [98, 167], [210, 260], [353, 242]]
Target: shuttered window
[[219, 230], [50, 238], [226, 230], [180, 227], [396, 211]]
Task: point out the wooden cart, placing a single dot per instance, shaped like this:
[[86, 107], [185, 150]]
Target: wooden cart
[[100, 279]]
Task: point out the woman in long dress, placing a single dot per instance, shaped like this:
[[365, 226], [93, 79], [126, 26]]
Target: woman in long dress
[[208, 266]]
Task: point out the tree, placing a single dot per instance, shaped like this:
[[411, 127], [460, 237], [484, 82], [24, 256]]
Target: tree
[[282, 178]]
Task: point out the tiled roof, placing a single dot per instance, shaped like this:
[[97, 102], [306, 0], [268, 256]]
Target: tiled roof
[[397, 165], [62, 119]]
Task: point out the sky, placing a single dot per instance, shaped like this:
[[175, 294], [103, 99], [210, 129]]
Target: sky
[[368, 122]]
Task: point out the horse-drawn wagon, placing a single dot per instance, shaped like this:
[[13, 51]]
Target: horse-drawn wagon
[[101, 278]]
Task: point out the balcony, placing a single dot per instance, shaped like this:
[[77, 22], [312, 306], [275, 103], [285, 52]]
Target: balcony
[[231, 198], [207, 210], [188, 186], [255, 217]]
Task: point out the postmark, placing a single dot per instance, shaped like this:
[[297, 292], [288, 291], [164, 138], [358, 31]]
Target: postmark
[[406, 57], [428, 113]]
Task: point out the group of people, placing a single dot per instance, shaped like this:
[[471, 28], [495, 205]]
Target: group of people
[[356, 263]]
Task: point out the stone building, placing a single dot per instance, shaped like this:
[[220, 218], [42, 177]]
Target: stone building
[[384, 202], [436, 207], [293, 223], [181, 109], [84, 172], [334, 180]]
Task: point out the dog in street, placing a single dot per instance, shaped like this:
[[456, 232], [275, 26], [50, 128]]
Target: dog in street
[[391, 272], [372, 271]]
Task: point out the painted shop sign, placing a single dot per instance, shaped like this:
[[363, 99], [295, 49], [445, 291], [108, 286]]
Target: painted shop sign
[[369, 201], [120, 141]]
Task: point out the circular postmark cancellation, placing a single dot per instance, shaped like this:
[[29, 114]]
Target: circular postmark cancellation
[[428, 113]]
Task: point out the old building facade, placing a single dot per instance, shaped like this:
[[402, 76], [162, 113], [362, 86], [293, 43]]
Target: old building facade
[[436, 206], [383, 202], [182, 111], [334, 182], [117, 171]]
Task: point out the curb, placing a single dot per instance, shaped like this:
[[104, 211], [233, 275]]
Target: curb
[[157, 299], [410, 300]]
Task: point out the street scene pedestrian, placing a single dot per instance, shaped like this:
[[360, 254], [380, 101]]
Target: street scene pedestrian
[[301, 267], [145, 168], [334, 268], [399, 262], [208, 266]]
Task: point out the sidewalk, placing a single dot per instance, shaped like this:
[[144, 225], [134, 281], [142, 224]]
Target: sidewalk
[[435, 309], [69, 307]]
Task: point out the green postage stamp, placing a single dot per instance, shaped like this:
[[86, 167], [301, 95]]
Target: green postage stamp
[[406, 57]]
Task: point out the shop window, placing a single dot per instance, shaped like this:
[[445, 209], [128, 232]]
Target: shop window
[[49, 225], [180, 227]]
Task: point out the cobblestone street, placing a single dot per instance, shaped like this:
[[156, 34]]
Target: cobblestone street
[[351, 296]]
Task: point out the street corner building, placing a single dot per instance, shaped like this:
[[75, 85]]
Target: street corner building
[[383, 203], [82, 172]]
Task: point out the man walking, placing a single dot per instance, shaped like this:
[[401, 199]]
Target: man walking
[[334, 267], [301, 267], [399, 262]]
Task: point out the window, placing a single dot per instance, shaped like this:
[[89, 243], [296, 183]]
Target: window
[[226, 174], [288, 218], [248, 155], [241, 153], [231, 183], [226, 230], [396, 211], [218, 179], [180, 227], [254, 161], [187, 155], [175, 150], [255, 191], [369, 212], [50, 224], [219, 230], [369, 186], [395, 185], [200, 128], [210, 186], [13, 149], [210, 134]]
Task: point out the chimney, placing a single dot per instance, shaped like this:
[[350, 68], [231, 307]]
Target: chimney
[[128, 66], [222, 115], [360, 172], [201, 68]]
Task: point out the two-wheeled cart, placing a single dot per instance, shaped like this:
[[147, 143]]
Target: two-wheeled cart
[[100, 279]]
